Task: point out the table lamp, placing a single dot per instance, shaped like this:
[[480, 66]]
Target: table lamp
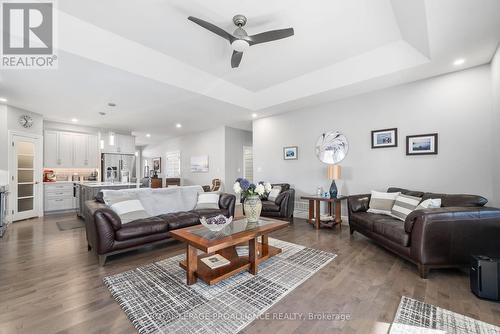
[[334, 172]]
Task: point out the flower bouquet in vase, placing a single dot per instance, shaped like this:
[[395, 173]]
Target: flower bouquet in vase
[[252, 205]]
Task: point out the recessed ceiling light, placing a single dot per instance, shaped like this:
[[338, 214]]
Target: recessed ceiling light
[[111, 104], [74, 120], [459, 62], [3, 99], [178, 125], [254, 115], [148, 135]]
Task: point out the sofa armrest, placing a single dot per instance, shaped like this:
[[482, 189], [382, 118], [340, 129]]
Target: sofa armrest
[[286, 202], [106, 222], [227, 202], [358, 203], [451, 235], [449, 214]]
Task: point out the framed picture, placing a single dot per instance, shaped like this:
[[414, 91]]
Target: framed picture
[[290, 153], [422, 144], [157, 165], [385, 138], [199, 164]]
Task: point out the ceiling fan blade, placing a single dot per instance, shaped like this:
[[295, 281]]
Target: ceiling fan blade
[[213, 28], [269, 36], [236, 59]]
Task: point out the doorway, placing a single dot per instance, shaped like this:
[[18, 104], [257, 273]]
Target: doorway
[[25, 171]]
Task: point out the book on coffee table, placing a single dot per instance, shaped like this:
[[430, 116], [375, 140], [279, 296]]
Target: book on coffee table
[[215, 261]]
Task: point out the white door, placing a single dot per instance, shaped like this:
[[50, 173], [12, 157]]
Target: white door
[[25, 177]]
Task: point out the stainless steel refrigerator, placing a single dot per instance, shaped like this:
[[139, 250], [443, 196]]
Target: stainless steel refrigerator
[[118, 167]]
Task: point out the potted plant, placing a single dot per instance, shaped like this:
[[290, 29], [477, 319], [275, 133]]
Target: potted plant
[[252, 205]]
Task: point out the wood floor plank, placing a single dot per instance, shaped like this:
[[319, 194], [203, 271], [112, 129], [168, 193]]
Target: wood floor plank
[[49, 283]]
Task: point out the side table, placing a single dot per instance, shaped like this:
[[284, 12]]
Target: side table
[[334, 209]]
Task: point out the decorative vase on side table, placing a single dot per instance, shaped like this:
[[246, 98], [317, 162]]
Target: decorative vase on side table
[[253, 207]]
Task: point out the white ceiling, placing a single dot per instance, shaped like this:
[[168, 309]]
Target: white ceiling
[[162, 69]]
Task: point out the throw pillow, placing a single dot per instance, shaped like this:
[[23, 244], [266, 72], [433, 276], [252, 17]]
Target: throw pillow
[[275, 191], [431, 203], [381, 202], [126, 205], [404, 205], [207, 201]]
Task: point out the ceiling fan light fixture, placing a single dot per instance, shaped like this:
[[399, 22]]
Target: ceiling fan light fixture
[[240, 45]]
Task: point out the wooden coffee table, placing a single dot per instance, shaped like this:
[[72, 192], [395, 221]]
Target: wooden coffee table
[[224, 243]]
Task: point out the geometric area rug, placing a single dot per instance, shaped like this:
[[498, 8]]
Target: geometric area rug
[[156, 299], [416, 317]]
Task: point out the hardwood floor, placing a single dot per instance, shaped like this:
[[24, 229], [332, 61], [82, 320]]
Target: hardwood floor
[[49, 283]]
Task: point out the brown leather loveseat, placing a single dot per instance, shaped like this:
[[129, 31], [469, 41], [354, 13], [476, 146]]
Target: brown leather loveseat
[[107, 236], [432, 238]]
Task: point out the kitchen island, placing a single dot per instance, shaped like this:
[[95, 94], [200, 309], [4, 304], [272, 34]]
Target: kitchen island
[[87, 191]]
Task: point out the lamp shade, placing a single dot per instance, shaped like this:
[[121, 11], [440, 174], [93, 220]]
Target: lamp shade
[[334, 172]]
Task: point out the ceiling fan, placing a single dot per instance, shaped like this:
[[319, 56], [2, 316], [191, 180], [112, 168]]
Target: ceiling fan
[[239, 39]]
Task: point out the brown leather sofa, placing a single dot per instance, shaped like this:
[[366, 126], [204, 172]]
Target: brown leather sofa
[[107, 236], [432, 238]]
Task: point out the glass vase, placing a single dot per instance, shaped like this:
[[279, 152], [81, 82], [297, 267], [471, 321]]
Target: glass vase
[[253, 207]]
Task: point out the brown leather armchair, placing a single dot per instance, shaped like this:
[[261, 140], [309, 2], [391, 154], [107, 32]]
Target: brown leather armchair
[[432, 238], [282, 206]]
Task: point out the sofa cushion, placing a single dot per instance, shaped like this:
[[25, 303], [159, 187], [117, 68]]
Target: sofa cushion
[[457, 200], [392, 229], [363, 219], [142, 227], [275, 191], [178, 220], [270, 206]]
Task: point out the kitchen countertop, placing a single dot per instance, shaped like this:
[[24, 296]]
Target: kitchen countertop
[[97, 183], [110, 184]]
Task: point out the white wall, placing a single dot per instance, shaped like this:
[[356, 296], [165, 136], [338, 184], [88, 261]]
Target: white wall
[[495, 74], [9, 121], [456, 106], [211, 143], [235, 140]]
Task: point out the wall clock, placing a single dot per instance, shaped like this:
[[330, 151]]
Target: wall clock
[[26, 121]]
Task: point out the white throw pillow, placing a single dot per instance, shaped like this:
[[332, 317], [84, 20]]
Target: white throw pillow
[[275, 191], [382, 203], [126, 205], [208, 201], [431, 203]]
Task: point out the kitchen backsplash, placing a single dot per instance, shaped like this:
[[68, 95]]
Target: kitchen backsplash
[[65, 174]]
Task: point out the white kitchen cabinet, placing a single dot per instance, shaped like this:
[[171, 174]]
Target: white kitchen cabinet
[[123, 144], [59, 197], [80, 150], [50, 151], [93, 156], [70, 150], [66, 149]]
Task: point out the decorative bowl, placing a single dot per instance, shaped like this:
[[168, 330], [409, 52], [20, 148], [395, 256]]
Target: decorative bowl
[[216, 223]]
